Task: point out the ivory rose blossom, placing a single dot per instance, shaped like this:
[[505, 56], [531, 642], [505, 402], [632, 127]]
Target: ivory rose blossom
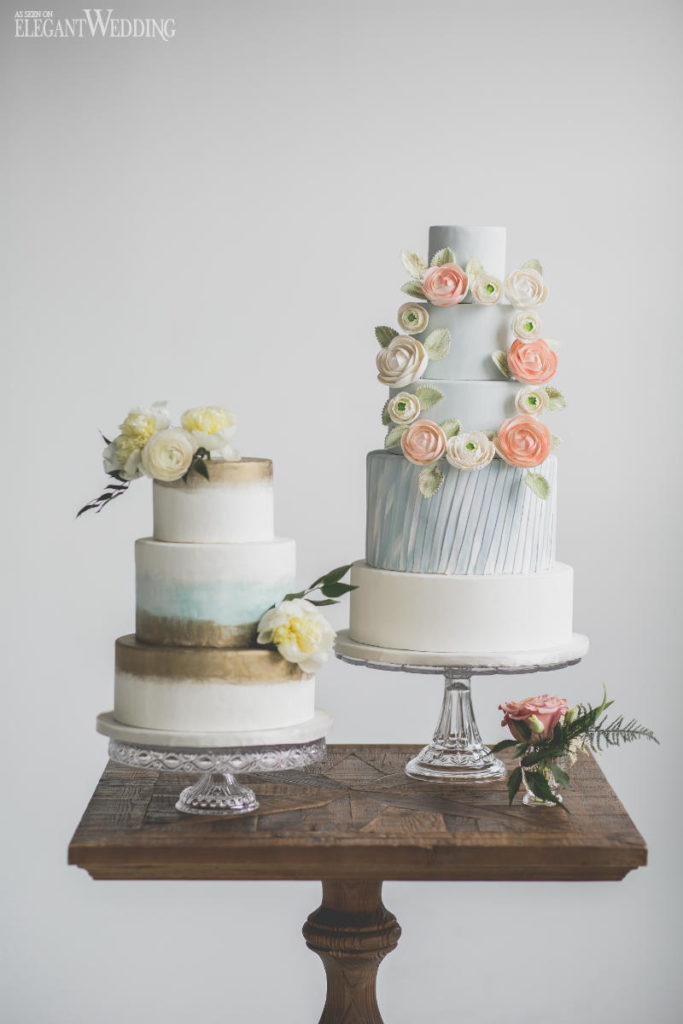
[[168, 454], [526, 325], [401, 362], [525, 287], [412, 318], [423, 443], [445, 285], [301, 634], [541, 714], [486, 290], [123, 455], [403, 407], [533, 362], [212, 428], [532, 401], [470, 450], [523, 441]]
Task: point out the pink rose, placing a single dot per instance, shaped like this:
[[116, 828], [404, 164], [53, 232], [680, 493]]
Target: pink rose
[[532, 361], [545, 709], [523, 441], [423, 442], [445, 285]]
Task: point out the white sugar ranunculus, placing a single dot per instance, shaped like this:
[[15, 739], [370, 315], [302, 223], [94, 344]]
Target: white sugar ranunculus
[[486, 290], [532, 401], [123, 454], [168, 455], [526, 325], [212, 428], [403, 407], [412, 318], [301, 634], [470, 450], [403, 361], [525, 288]]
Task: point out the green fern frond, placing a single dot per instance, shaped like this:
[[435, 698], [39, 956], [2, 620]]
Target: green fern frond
[[617, 732]]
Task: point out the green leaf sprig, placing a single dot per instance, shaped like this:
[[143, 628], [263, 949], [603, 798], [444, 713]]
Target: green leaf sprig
[[329, 585]]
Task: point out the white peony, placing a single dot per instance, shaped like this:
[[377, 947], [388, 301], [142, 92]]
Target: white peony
[[403, 407], [472, 450], [412, 318], [123, 455], [403, 361], [212, 428], [486, 290], [301, 634], [526, 325], [532, 401], [168, 455], [525, 288]]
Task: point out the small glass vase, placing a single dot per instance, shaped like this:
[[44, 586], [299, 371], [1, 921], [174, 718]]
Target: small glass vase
[[530, 799]]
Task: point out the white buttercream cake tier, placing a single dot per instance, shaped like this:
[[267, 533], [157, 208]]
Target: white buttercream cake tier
[[461, 614]]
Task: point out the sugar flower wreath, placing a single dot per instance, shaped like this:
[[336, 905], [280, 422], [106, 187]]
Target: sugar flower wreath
[[523, 440]]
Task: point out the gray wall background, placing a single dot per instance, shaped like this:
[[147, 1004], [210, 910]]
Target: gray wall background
[[219, 218]]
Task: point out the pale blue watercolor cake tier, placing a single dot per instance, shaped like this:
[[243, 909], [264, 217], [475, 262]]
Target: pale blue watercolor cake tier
[[478, 523]]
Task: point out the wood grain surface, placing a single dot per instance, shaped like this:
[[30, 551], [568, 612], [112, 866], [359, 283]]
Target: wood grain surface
[[356, 815]]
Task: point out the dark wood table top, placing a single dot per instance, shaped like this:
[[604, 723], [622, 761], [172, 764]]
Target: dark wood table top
[[357, 816]]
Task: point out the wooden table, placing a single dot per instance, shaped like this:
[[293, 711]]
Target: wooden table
[[354, 821]]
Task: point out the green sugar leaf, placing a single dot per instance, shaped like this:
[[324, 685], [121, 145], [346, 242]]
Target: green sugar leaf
[[443, 256], [557, 399], [385, 335], [555, 441], [450, 428], [414, 264], [414, 289], [538, 484], [501, 361], [428, 396], [437, 343], [533, 265], [386, 419], [394, 436], [429, 481]]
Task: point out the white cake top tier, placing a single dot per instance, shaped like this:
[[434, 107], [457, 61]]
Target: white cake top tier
[[484, 244], [233, 506]]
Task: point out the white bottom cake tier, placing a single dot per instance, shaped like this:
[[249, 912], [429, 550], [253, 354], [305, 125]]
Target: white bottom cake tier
[[461, 614], [208, 690]]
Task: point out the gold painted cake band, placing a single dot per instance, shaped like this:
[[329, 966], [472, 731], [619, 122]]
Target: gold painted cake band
[[222, 472], [157, 629], [240, 666]]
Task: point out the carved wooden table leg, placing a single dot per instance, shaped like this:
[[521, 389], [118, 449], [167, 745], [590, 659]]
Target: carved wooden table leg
[[351, 931]]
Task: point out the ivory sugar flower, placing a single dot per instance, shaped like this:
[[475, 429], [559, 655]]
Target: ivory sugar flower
[[423, 443], [445, 285], [401, 362], [469, 450], [532, 401], [523, 441], [486, 290], [526, 325], [525, 288], [541, 714], [212, 428], [533, 362], [301, 634], [412, 318], [403, 407], [168, 454], [123, 455]]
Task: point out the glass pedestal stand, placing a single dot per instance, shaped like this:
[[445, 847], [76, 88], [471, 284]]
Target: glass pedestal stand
[[457, 752], [217, 758]]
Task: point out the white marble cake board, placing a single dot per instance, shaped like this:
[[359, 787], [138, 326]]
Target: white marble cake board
[[315, 728], [486, 663]]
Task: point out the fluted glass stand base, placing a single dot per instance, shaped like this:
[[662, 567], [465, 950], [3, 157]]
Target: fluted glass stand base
[[457, 751], [217, 792]]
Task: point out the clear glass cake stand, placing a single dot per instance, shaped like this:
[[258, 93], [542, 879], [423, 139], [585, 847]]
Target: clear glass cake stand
[[457, 752], [217, 791]]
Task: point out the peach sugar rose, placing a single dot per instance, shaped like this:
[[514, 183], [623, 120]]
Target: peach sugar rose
[[423, 443], [533, 362], [445, 285], [523, 441], [546, 710]]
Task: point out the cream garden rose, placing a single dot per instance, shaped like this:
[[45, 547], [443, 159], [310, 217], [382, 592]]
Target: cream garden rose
[[470, 450], [526, 325], [412, 318], [532, 401], [167, 456], [486, 290], [123, 455], [212, 428], [525, 288], [403, 361], [403, 407], [301, 634]]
